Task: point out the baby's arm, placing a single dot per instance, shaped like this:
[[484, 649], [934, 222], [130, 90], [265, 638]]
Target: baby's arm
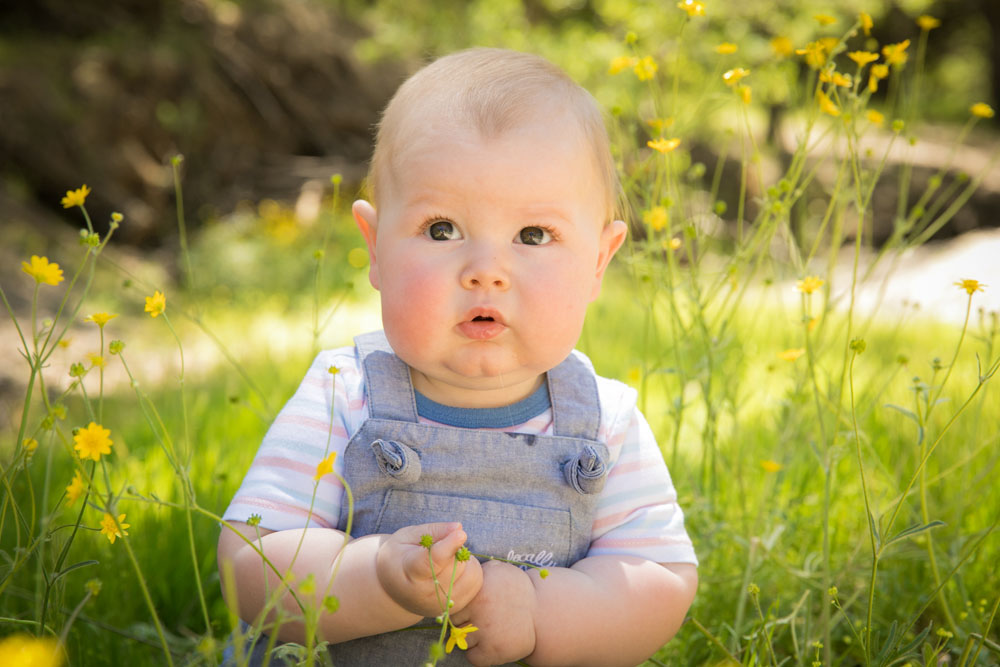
[[383, 582], [604, 610]]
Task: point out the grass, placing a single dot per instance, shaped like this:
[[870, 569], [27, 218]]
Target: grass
[[836, 469]]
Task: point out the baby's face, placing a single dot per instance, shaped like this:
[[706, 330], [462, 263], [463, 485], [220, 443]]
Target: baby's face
[[486, 253]]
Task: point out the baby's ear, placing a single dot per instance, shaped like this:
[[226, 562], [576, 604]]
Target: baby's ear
[[612, 237], [367, 219]]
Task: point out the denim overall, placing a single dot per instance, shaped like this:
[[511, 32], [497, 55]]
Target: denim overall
[[529, 498]]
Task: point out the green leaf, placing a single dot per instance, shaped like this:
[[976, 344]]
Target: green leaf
[[913, 530], [74, 566]]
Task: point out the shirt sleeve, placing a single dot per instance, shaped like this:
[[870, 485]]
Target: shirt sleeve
[[320, 418], [637, 513]]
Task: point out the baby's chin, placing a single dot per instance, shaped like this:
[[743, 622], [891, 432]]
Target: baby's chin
[[479, 386]]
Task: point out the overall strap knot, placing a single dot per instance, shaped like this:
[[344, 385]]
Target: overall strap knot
[[397, 460], [587, 471]]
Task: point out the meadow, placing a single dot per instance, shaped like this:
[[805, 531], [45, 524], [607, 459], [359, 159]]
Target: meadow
[[835, 464]]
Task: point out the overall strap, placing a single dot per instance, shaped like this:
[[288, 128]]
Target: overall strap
[[576, 407], [387, 379]]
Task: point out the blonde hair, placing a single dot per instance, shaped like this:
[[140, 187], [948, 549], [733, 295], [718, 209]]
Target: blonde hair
[[492, 91]]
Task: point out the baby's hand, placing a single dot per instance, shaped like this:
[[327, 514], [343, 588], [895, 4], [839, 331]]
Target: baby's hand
[[504, 613], [404, 569]]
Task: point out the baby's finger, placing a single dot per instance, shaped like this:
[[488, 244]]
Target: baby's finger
[[417, 534], [444, 549]]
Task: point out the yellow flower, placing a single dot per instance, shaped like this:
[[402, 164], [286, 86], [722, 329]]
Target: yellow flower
[[836, 78], [815, 54], [646, 68], [110, 530], [100, 319], [895, 54], [325, 466], [664, 145], [782, 46], [96, 360], [43, 271], [809, 284], [93, 441], [30, 445], [156, 304], [825, 19], [622, 63], [23, 650], [692, 7], [811, 324], [733, 76], [826, 105], [656, 218], [791, 354], [981, 110], [866, 23], [75, 488], [771, 466], [726, 48], [64, 342], [877, 72], [457, 637], [927, 22], [862, 58], [675, 243], [75, 197], [875, 117], [745, 94], [971, 286]]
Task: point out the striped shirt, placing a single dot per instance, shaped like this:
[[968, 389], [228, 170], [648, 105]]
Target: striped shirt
[[637, 513]]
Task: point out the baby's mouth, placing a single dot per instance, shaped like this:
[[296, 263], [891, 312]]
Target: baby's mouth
[[480, 318], [482, 326]]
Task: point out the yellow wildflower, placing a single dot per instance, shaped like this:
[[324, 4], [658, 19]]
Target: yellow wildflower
[[927, 22], [812, 323], [815, 54], [866, 23], [745, 94], [646, 68], [21, 650], [100, 319], [457, 638], [782, 46], [664, 145], [96, 360], [656, 218], [809, 284], [877, 72], [825, 19], [64, 342], [75, 488], [43, 271], [325, 466], [874, 117], [112, 531], [836, 78], [93, 441], [771, 466], [970, 285], [726, 48], [75, 197], [733, 76], [981, 110], [622, 63], [791, 354], [826, 105], [692, 7], [895, 54], [30, 445], [862, 58], [156, 304], [674, 243]]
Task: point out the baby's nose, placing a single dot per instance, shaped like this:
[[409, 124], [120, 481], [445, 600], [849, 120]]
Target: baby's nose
[[485, 271]]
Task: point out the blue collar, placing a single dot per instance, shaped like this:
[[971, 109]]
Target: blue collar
[[502, 417]]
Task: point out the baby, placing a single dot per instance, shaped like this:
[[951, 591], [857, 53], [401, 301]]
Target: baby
[[472, 419]]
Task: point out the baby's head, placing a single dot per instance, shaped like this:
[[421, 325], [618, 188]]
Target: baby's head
[[493, 223], [490, 91]]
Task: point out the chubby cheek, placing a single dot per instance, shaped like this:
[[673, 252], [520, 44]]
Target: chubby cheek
[[413, 304]]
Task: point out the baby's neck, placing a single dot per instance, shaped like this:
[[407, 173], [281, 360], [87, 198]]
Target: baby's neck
[[466, 397]]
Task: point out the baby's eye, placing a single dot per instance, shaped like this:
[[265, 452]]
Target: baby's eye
[[534, 236], [442, 230]]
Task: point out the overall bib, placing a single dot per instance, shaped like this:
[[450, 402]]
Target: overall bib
[[529, 498]]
